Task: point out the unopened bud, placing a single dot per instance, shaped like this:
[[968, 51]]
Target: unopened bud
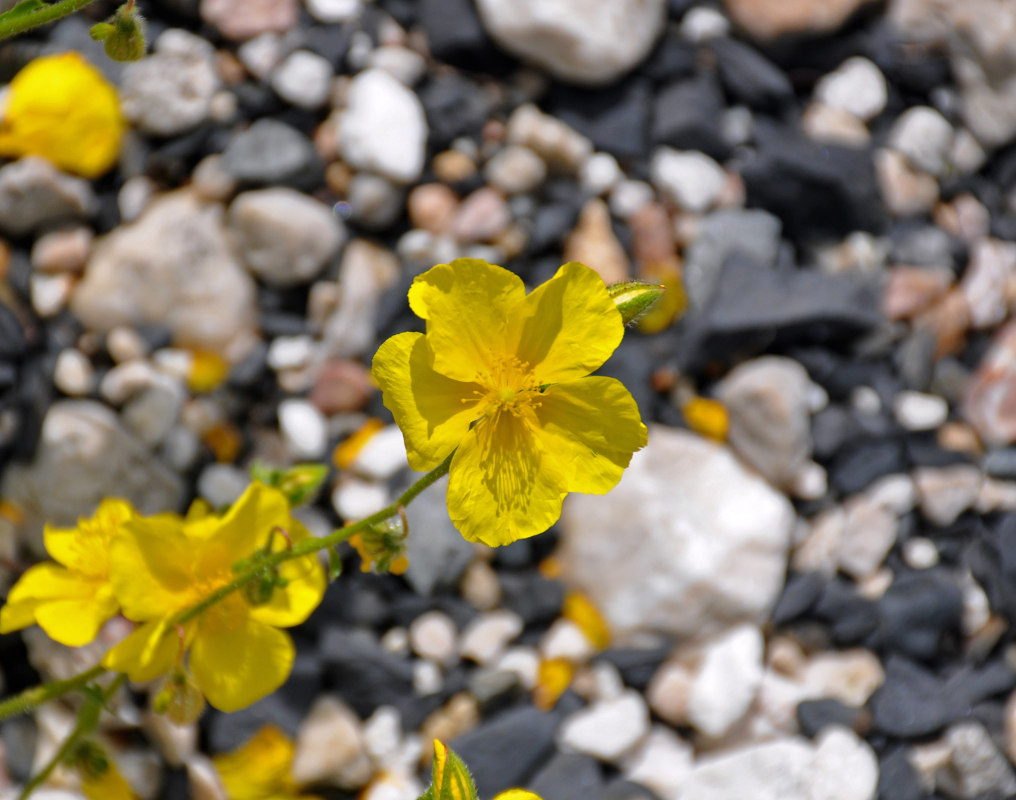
[[259, 589], [179, 698], [123, 34], [633, 298]]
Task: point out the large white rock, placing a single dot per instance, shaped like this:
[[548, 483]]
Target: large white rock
[[689, 543], [172, 267], [608, 729], [581, 41], [285, 237], [384, 128]]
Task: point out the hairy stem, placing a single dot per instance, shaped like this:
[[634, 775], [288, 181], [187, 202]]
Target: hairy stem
[[25, 22], [31, 698]]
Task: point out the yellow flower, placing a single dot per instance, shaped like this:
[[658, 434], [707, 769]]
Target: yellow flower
[[500, 378], [72, 598], [164, 565], [103, 781], [260, 769], [61, 108], [451, 780]]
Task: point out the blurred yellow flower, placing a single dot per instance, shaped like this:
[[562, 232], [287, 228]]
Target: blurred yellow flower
[[61, 108], [163, 565], [260, 769], [70, 599], [500, 378]]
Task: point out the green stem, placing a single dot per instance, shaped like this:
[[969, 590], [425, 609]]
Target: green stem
[[85, 724], [25, 22], [37, 695]]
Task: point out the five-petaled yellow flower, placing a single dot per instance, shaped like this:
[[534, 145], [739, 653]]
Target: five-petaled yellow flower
[[500, 378], [72, 598], [165, 564]]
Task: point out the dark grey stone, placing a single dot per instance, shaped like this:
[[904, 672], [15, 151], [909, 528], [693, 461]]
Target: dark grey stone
[[912, 701], [271, 152], [568, 776], [750, 77]]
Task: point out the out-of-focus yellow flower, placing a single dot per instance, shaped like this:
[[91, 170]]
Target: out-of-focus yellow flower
[[260, 769], [101, 780], [500, 378], [164, 565], [70, 599], [61, 108]]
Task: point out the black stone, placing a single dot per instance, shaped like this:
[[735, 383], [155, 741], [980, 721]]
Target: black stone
[[862, 462], [818, 190], [13, 342], [672, 59], [495, 690], [686, 115], [800, 593], [636, 665], [568, 776], [920, 612], [256, 100], [330, 42], [1001, 463], [830, 428], [526, 733], [455, 106], [912, 701], [923, 450], [621, 789], [286, 707], [271, 152], [457, 37], [852, 618], [517, 555], [976, 684], [750, 77], [550, 225], [534, 598], [366, 675], [615, 118], [814, 715], [897, 780], [173, 160], [992, 560]]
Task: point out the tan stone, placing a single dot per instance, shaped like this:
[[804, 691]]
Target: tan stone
[[592, 242], [769, 19]]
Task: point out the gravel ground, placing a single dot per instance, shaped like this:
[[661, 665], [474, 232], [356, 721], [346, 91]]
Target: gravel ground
[[818, 606]]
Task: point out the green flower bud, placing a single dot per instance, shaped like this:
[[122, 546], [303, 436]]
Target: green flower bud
[[634, 298], [179, 698], [123, 34]]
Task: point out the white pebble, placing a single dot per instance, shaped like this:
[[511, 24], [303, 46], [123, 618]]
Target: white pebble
[[565, 639], [432, 635], [73, 373], [702, 23], [607, 730], [427, 678], [355, 499], [134, 196], [290, 352], [925, 137], [857, 86], [303, 79], [599, 173], [396, 641], [628, 197], [304, 428], [50, 293], [332, 11], [727, 681], [222, 484], [515, 170], [917, 411], [920, 553], [261, 54], [486, 637], [125, 344], [865, 400], [523, 662], [382, 456], [401, 63], [691, 180]]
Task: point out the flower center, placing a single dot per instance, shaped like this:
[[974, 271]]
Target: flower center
[[509, 386]]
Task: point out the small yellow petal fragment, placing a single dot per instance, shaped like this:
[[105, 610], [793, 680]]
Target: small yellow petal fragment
[[207, 371], [346, 453], [224, 440], [580, 609], [107, 784], [707, 418], [550, 567], [517, 794], [554, 677]]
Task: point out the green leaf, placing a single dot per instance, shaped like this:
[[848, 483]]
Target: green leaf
[[100, 31]]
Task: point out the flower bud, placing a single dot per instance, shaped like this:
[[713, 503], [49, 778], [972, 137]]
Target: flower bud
[[259, 589], [633, 298], [382, 546], [123, 34], [179, 698]]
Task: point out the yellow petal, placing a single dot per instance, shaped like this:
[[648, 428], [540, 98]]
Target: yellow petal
[[432, 411], [589, 428], [108, 784], [148, 652], [568, 326], [451, 779], [238, 664], [502, 485], [76, 621], [517, 794], [86, 547], [306, 584], [258, 768], [151, 567], [246, 527], [468, 306]]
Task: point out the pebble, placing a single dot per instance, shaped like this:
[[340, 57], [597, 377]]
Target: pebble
[[272, 152], [433, 636], [50, 293], [918, 411], [911, 290], [285, 237], [599, 174], [987, 281], [134, 196], [151, 413], [375, 202], [770, 19], [857, 86], [73, 373], [383, 128], [925, 137], [382, 456], [62, 251], [645, 582], [427, 680], [303, 79], [565, 640], [834, 126], [304, 428], [402, 63], [554, 141], [946, 492], [726, 682], [172, 267], [341, 386], [334, 11], [481, 217], [262, 54], [593, 242], [171, 91], [35, 194], [669, 690], [608, 729], [431, 207], [628, 197], [486, 638], [244, 19], [330, 748], [515, 170], [661, 762], [691, 180], [576, 41], [290, 352], [920, 553], [905, 191], [702, 23], [222, 484], [869, 533], [976, 768]]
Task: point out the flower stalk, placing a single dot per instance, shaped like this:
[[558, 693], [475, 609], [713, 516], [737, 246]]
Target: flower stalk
[[11, 24]]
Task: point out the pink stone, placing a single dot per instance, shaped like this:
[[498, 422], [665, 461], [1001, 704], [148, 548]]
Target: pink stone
[[245, 19]]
